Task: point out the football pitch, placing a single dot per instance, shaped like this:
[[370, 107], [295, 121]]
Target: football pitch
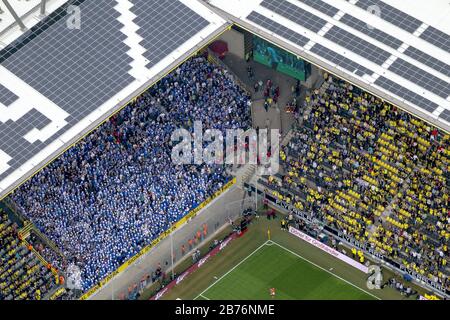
[[273, 266], [251, 265]]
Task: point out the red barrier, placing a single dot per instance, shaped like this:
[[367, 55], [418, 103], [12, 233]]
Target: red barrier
[[194, 267]]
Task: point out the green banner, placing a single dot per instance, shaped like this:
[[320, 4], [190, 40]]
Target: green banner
[[274, 57]]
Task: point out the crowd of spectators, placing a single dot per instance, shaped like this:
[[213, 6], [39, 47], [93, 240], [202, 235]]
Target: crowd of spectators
[[22, 275], [114, 192], [374, 173], [53, 258], [405, 290]]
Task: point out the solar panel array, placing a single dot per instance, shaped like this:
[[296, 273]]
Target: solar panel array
[[428, 60], [80, 69], [171, 32], [321, 6], [375, 33], [13, 132], [278, 29], [406, 94], [391, 14], [295, 14], [340, 60], [77, 69], [6, 96], [407, 22], [437, 38], [357, 45], [445, 115], [365, 49], [420, 77]]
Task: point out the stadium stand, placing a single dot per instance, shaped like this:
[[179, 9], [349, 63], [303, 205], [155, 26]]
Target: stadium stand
[[22, 275], [48, 254], [374, 173], [113, 193]]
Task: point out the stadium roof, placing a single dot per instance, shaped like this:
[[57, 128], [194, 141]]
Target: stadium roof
[[398, 50], [57, 82]]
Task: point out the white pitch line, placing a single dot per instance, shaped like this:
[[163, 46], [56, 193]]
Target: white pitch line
[[295, 254], [204, 297], [229, 271]]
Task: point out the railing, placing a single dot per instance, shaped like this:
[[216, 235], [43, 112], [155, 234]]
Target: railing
[[14, 209], [25, 231], [45, 263], [47, 241], [28, 226], [38, 255]]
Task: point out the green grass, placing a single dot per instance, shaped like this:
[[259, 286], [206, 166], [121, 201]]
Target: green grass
[[239, 252], [272, 266]]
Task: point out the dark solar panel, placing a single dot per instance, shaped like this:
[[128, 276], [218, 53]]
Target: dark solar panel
[[437, 38], [406, 94], [278, 29], [77, 69], [6, 96], [357, 45], [81, 69], [377, 34], [340, 60], [321, 6], [175, 23], [445, 115], [13, 141], [295, 14], [420, 77], [391, 14], [428, 60]]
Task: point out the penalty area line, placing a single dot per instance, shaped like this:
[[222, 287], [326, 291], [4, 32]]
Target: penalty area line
[[316, 265], [229, 271]]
